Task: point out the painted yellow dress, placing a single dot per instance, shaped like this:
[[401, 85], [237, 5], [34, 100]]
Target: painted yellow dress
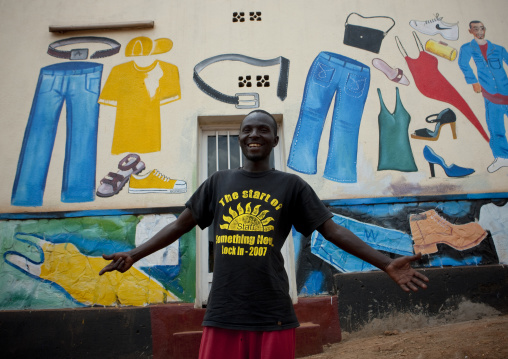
[[78, 275]]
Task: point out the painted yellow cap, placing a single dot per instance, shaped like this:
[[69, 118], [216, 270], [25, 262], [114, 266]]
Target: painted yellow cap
[[139, 46], [161, 46]]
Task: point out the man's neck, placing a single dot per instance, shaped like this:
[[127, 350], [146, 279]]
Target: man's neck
[[256, 166], [480, 42]]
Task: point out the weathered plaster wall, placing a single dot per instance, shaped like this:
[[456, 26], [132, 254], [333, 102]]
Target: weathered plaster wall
[[299, 31]]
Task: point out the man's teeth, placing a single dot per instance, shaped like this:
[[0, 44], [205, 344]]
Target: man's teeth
[[254, 145]]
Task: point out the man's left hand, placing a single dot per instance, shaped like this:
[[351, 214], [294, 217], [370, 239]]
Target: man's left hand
[[404, 275]]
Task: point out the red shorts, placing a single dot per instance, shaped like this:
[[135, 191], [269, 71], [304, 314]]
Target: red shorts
[[218, 343]]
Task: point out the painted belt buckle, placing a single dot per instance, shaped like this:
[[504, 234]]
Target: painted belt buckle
[[79, 54], [252, 102]]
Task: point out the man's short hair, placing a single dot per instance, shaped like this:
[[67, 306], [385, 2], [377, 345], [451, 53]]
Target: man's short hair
[[274, 125], [474, 22]]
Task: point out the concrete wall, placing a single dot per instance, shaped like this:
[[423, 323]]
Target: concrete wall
[[160, 331], [371, 301]]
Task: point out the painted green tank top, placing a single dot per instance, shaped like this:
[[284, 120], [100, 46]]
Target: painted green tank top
[[394, 148]]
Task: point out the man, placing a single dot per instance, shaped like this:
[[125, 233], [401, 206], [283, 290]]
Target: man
[[249, 312], [492, 82]]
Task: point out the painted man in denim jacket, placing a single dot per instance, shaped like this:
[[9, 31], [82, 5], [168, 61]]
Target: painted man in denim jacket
[[492, 82]]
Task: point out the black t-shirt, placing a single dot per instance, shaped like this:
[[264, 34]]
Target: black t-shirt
[[253, 213]]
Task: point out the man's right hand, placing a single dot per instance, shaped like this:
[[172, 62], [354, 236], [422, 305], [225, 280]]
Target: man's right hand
[[121, 262], [477, 87]]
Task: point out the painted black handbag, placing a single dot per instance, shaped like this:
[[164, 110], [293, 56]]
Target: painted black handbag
[[365, 38]]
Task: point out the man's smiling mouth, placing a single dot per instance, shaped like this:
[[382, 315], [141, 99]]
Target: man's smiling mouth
[[254, 145]]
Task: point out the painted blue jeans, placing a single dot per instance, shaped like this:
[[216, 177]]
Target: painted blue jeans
[[78, 85], [494, 115], [384, 239], [331, 74]]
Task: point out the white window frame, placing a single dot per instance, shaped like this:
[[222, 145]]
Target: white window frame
[[230, 125]]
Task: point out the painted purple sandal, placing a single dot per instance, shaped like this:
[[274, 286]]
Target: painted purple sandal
[[113, 183]]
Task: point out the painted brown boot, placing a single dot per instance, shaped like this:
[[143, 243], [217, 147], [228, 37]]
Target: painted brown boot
[[429, 229]]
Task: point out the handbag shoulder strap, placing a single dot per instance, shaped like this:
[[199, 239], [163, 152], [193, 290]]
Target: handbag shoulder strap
[[372, 17]]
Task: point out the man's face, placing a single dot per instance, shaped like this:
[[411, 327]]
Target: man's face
[[477, 30], [257, 136]]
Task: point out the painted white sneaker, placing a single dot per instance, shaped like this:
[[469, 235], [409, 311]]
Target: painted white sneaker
[[437, 26], [497, 164], [155, 182]]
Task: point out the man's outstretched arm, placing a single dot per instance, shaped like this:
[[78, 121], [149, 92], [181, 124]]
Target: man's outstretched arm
[[398, 269], [122, 261]]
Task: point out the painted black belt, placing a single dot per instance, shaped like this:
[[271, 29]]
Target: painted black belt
[[246, 99], [82, 54]]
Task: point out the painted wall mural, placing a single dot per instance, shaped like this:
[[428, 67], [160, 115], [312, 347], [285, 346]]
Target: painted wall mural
[[492, 82], [331, 74], [129, 170], [410, 129], [340, 79], [136, 92], [433, 84], [394, 146], [78, 85], [55, 263], [395, 151], [453, 233], [249, 100]]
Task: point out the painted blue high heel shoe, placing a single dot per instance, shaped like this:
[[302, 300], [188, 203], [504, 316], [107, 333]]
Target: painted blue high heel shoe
[[451, 170]]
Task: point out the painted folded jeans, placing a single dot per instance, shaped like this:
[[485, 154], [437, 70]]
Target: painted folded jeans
[[384, 239], [348, 80]]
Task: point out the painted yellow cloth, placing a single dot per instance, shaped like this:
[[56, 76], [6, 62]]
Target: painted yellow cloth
[[137, 93], [79, 276]]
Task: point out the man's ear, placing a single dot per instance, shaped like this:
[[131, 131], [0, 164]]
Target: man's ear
[[276, 141]]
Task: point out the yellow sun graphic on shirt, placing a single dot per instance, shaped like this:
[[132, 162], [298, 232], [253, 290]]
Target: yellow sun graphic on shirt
[[247, 219]]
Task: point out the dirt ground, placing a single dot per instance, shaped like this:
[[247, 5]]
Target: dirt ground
[[485, 338]]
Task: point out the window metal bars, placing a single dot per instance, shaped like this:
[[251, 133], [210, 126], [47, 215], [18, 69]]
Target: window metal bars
[[216, 151], [221, 150], [229, 152], [223, 143]]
